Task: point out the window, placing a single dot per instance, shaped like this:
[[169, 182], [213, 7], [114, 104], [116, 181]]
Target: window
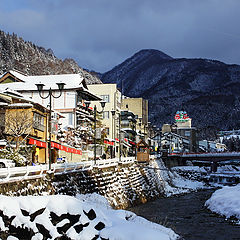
[[38, 121], [187, 133], [107, 130], [70, 119], [105, 98], [106, 115]]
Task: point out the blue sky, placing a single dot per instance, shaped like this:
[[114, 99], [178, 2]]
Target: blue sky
[[100, 34]]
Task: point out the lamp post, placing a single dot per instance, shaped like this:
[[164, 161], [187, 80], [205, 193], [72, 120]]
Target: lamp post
[[87, 103], [159, 139], [119, 123], [50, 95]]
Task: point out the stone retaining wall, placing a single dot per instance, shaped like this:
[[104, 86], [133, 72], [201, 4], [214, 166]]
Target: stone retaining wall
[[123, 185]]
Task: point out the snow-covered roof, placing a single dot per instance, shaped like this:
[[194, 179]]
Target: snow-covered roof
[[23, 105], [127, 129], [72, 81], [11, 93]]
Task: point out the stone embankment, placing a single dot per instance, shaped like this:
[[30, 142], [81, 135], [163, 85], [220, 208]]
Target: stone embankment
[[122, 185]]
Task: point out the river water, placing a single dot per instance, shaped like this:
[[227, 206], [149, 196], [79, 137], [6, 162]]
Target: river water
[[188, 217]]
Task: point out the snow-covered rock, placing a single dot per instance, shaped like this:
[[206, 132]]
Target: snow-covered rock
[[88, 217]]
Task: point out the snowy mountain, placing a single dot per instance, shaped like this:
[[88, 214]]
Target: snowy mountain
[[207, 89], [15, 53]]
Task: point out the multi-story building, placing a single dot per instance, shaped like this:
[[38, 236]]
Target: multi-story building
[[128, 129], [110, 115], [68, 104], [23, 120], [139, 107], [183, 127]]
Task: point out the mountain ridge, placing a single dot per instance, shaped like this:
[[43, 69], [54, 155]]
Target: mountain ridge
[[26, 57], [172, 84]]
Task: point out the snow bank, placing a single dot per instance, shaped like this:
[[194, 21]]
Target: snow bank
[[173, 183], [226, 202], [85, 217]]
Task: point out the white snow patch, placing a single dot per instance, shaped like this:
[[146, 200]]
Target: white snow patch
[[119, 224], [226, 202]]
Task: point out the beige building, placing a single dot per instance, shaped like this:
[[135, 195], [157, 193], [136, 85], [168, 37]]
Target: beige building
[[139, 107], [112, 96]]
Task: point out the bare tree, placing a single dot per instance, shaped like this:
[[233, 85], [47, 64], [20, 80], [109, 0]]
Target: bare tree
[[18, 124]]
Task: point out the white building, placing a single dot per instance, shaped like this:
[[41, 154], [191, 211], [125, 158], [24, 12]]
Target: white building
[[75, 91]]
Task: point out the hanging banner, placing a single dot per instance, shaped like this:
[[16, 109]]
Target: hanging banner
[[66, 149], [108, 142], [37, 143]]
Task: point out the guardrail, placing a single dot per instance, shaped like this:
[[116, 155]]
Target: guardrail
[[28, 172], [214, 154], [101, 163]]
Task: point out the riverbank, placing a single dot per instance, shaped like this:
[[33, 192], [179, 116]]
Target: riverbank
[[225, 202], [188, 217]]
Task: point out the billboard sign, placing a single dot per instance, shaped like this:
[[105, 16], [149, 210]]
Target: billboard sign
[[181, 116]]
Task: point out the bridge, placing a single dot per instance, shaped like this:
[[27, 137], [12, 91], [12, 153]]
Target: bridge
[[179, 159], [209, 157]]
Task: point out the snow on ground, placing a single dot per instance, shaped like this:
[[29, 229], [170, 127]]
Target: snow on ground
[[181, 182], [174, 184], [226, 202], [191, 169], [94, 218], [180, 185]]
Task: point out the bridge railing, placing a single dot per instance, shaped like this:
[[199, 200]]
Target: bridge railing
[[224, 154]]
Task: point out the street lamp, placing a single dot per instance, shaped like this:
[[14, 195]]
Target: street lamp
[[159, 135], [50, 95], [87, 103], [119, 123]]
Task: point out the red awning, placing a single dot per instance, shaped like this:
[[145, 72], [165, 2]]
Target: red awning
[[54, 145], [133, 143], [37, 143], [109, 142]]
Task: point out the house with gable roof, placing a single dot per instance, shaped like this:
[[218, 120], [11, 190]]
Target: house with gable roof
[[70, 104], [24, 121]]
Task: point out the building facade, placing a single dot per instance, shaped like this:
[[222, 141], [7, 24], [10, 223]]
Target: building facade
[[139, 107], [75, 92], [24, 122], [110, 94]]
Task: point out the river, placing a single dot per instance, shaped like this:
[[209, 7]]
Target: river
[[188, 217]]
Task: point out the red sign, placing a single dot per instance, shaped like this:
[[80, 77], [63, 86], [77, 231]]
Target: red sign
[[181, 116], [108, 142], [54, 145], [133, 143], [37, 143]]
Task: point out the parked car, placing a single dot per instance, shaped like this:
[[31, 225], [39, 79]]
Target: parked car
[[4, 163]]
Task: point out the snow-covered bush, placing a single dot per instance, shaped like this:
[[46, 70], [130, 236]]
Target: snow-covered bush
[[13, 155]]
